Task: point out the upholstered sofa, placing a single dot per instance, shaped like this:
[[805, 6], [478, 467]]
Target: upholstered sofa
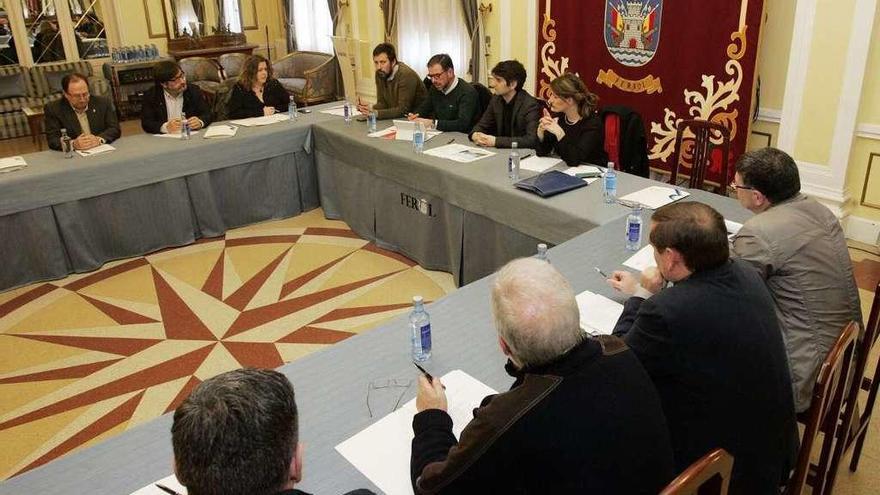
[[37, 86], [310, 77]]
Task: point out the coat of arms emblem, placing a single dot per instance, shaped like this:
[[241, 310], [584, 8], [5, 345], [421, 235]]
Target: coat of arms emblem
[[632, 30]]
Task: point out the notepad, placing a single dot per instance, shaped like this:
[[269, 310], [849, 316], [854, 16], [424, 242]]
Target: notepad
[[176, 135], [459, 153], [339, 111], [220, 131], [97, 150], [644, 258], [264, 120], [168, 481], [598, 313], [382, 450], [732, 228], [655, 196], [12, 163], [539, 163]]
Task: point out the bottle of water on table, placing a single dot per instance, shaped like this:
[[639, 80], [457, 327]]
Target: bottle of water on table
[[634, 229], [292, 114], [609, 183], [66, 144], [184, 127], [513, 162], [346, 108], [542, 253], [419, 138], [372, 117], [420, 331]]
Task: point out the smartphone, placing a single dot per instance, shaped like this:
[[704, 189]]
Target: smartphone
[[304, 110]]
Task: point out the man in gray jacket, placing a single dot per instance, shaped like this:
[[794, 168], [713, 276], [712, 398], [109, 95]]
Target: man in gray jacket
[[513, 114], [797, 246]]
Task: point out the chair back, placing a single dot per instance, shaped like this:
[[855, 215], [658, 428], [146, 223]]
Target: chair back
[[483, 98], [823, 414], [232, 64], [200, 69], [698, 150], [862, 382], [709, 475]]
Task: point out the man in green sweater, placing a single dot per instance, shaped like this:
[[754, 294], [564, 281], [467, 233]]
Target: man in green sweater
[[398, 88], [452, 104]]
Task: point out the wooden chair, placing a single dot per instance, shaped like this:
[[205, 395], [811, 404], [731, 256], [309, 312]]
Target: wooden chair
[[860, 423], [709, 475], [700, 153], [824, 415]]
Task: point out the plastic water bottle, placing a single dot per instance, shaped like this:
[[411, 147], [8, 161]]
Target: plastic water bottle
[[184, 127], [513, 162], [154, 51], [66, 144], [609, 183], [347, 109], [634, 229], [292, 113], [420, 331], [372, 117], [419, 138], [542, 253]]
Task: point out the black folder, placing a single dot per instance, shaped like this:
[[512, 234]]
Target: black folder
[[550, 183]]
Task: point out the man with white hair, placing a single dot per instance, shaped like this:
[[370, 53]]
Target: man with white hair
[[581, 416]]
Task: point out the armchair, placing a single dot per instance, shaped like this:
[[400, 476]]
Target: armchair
[[309, 76]]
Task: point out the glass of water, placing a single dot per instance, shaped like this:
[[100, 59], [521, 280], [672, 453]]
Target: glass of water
[[371, 120]]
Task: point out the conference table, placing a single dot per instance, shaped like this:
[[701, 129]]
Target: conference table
[[331, 385]]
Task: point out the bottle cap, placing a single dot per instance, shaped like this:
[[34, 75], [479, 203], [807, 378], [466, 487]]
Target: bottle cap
[[417, 299], [542, 246]]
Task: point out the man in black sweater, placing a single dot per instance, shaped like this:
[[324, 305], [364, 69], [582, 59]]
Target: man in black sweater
[[581, 417], [513, 114], [452, 103], [713, 348]]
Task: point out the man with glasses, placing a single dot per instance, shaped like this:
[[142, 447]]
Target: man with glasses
[[164, 104], [89, 120], [452, 103], [798, 248]]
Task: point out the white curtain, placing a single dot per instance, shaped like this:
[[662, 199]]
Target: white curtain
[[312, 25], [185, 15], [429, 27], [233, 16]]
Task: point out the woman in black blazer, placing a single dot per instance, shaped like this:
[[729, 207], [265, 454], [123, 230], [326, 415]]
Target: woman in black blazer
[[257, 93]]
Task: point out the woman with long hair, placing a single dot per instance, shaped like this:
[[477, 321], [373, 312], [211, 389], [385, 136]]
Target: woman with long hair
[[572, 128], [257, 93]]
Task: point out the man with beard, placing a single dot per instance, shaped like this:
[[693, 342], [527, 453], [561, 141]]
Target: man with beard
[[398, 87]]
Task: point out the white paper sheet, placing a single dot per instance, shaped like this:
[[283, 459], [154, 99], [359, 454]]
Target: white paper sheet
[[732, 227], [338, 110], [220, 131], [539, 163], [12, 163], [382, 450], [264, 120], [583, 169], [644, 258], [383, 132], [655, 196], [97, 150], [176, 135], [598, 313], [459, 153], [168, 481]]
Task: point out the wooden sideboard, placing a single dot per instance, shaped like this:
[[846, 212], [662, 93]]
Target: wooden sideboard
[[209, 46]]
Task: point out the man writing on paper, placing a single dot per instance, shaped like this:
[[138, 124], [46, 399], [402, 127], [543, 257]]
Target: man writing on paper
[[90, 121], [238, 433], [712, 346], [170, 98], [513, 114], [398, 88], [797, 246], [581, 417], [452, 102]]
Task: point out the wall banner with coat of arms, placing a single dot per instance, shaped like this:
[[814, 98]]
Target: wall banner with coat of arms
[[668, 60]]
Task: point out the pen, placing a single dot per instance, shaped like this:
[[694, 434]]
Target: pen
[[165, 489], [600, 272], [450, 142], [424, 372], [525, 156]]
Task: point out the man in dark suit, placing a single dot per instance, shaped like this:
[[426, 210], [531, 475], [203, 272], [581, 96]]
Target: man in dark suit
[[513, 114], [165, 103], [713, 348], [89, 120]]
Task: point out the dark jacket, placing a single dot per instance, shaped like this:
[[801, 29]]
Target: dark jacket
[[588, 422], [102, 120], [524, 121], [154, 113], [713, 348], [456, 111], [631, 144], [243, 103], [582, 142]]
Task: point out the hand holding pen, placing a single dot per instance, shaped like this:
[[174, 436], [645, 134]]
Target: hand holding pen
[[431, 393]]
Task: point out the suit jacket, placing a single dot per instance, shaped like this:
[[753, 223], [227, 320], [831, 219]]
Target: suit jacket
[[154, 113], [524, 123], [713, 348], [587, 422], [798, 248], [243, 103], [101, 115]]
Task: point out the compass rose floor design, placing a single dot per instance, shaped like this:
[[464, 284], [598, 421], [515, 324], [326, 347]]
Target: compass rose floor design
[[92, 355]]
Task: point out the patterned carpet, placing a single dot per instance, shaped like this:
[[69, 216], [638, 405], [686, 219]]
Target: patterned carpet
[[92, 355]]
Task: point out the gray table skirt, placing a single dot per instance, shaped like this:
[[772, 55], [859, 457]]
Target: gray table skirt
[[81, 235]]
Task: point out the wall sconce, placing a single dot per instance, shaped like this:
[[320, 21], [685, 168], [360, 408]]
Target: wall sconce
[[487, 7]]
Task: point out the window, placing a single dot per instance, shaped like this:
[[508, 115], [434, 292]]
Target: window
[[8, 55], [232, 15], [312, 25], [429, 27], [88, 27], [44, 34]]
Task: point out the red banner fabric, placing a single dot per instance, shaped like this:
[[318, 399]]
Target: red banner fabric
[[668, 60]]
